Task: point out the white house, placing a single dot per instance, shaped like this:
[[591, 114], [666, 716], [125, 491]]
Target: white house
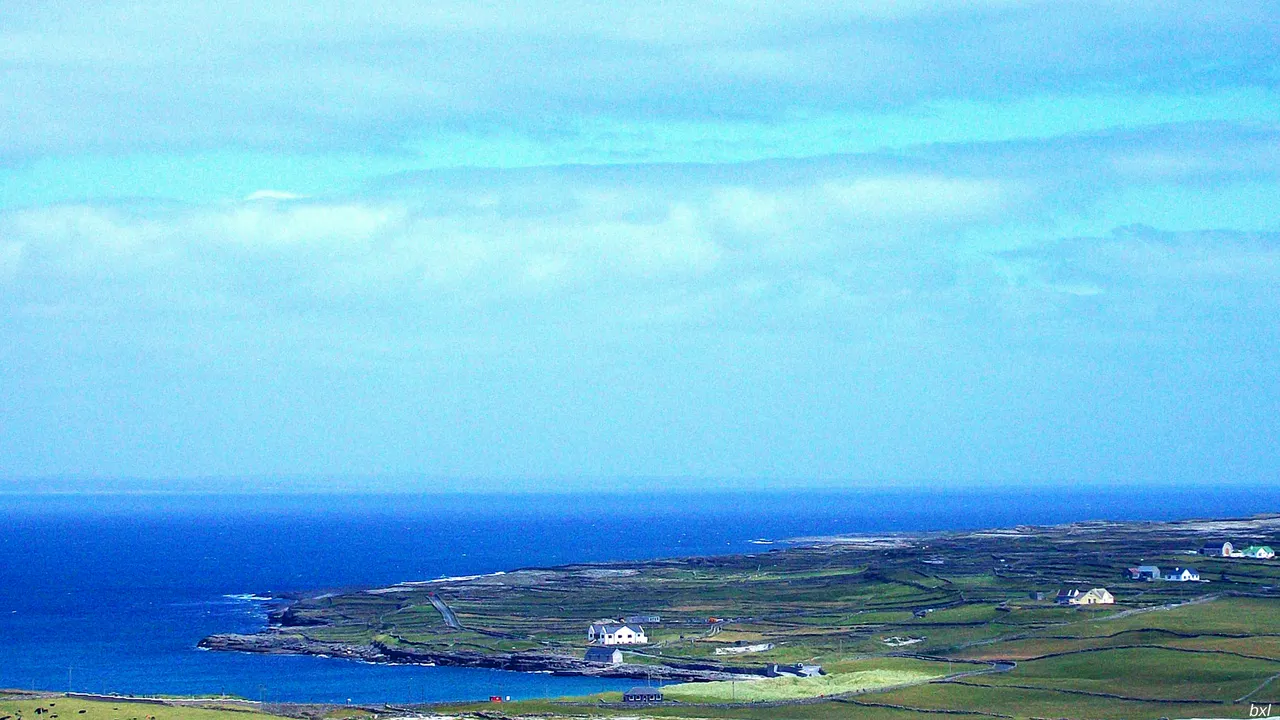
[[1182, 575], [1261, 552], [616, 634]]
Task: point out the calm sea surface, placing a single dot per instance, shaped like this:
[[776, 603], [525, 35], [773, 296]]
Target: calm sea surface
[[111, 593]]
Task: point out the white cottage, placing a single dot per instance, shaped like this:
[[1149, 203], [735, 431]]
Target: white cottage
[[1182, 575], [616, 634]]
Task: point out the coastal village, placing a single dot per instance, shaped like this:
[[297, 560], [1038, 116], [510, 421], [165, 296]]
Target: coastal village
[[837, 615]]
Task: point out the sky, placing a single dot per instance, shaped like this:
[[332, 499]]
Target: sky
[[545, 245]]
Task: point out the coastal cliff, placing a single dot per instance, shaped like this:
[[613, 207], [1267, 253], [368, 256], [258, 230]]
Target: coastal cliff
[[739, 616], [276, 642]]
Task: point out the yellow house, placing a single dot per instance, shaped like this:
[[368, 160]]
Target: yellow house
[[1096, 596]]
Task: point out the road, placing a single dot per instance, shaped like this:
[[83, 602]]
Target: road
[[445, 612]]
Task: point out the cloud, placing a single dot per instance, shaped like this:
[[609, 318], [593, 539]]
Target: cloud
[[757, 246], [272, 195], [267, 75], [956, 311]]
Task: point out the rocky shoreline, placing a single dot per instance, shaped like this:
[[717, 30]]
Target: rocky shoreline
[[274, 642]]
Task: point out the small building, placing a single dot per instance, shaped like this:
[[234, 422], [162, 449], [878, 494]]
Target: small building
[[609, 656], [642, 619], [1067, 597], [1259, 552], [642, 695], [1037, 595], [1147, 573], [1096, 596], [1182, 575], [1217, 549], [616, 634], [796, 670]]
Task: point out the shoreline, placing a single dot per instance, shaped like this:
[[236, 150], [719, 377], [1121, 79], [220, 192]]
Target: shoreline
[[274, 642], [963, 552]]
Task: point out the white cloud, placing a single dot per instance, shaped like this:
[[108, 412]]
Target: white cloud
[[10, 257], [272, 195], [270, 75], [926, 199]]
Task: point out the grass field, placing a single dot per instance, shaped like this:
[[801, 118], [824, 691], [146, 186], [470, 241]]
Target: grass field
[[1174, 650], [791, 688], [71, 708]]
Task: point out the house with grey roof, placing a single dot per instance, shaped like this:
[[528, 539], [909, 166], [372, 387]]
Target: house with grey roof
[[607, 633], [640, 695], [1144, 572], [608, 656]]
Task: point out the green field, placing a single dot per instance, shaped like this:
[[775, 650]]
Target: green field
[[937, 614], [790, 688], [72, 708]]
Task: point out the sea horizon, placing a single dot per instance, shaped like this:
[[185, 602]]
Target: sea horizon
[[116, 588]]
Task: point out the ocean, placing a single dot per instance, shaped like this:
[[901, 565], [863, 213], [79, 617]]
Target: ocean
[[111, 593]]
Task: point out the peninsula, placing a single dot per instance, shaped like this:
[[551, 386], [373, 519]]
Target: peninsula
[[1058, 612]]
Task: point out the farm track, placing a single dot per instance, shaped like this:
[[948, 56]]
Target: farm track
[[1258, 689]]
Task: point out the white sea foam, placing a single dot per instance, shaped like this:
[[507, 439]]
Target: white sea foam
[[407, 586], [247, 597]]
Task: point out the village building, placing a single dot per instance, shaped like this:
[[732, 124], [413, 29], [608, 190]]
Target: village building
[[1259, 552], [607, 633], [640, 695], [1217, 549], [1182, 575], [1096, 596], [1145, 572], [796, 670], [609, 656], [642, 619]]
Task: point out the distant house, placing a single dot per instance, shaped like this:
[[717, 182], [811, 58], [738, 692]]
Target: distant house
[[609, 656], [1096, 596], [1182, 575], [616, 634], [1037, 595], [797, 670], [1145, 572], [642, 695], [642, 619], [1260, 552], [1217, 549]]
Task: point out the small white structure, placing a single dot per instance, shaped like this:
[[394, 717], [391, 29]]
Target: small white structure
[[1182, 575], [1259, 552], [606, 633]]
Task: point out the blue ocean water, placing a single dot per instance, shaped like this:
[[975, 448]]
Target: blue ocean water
[[110, 593]]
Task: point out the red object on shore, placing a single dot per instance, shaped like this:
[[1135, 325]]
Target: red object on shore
[[495, 698]]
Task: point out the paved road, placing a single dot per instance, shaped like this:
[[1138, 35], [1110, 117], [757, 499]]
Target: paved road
[[445, 611]]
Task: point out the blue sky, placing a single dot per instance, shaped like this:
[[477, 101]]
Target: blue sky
[[543, 245]]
